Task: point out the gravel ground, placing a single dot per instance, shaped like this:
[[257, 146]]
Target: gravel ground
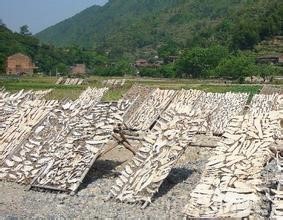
[[90, 202], [269, 176]]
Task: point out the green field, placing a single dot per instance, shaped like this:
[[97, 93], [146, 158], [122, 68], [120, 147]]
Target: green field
[[72, 92]]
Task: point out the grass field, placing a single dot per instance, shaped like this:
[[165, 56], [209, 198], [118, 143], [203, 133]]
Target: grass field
[[72, 92]]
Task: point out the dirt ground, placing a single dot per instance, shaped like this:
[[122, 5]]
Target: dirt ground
[[17, 201]]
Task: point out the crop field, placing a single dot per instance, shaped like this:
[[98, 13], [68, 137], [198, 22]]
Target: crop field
[[139, 148]]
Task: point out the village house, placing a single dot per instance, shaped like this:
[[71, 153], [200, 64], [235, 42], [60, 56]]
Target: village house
[[19, 64], [141, 63], [78, 69], [144, 63], [274, 59]]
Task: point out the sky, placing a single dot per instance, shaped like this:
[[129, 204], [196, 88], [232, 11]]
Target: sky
[[40, 14]]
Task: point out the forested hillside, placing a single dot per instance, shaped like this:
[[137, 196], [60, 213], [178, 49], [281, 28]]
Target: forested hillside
[[124, 27]]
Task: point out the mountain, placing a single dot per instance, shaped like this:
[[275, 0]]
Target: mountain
[[96, 24], [124, 27]]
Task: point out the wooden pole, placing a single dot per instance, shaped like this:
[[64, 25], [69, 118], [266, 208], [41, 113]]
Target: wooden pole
[[125, 143]]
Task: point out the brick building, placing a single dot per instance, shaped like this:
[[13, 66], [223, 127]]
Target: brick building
[[78, 69], [19, 64]]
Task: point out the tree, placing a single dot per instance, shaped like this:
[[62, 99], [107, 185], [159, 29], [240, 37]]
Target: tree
[[168, 49], [237, 66], [62, 68], [267, 71], [246, 36], [198, 62], [123, 67], [24, 30], [168, 71]]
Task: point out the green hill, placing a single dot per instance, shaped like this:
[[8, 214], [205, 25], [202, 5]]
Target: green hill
[[123, 27]]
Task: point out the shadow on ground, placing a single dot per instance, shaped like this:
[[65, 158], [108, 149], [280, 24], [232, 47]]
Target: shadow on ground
[[176, 176], [101, 169], [106, 169]]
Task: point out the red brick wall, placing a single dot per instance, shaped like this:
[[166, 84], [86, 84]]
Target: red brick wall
[[19, 63]]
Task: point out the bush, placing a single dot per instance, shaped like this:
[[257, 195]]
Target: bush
[[150, 72], [168, 71]]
